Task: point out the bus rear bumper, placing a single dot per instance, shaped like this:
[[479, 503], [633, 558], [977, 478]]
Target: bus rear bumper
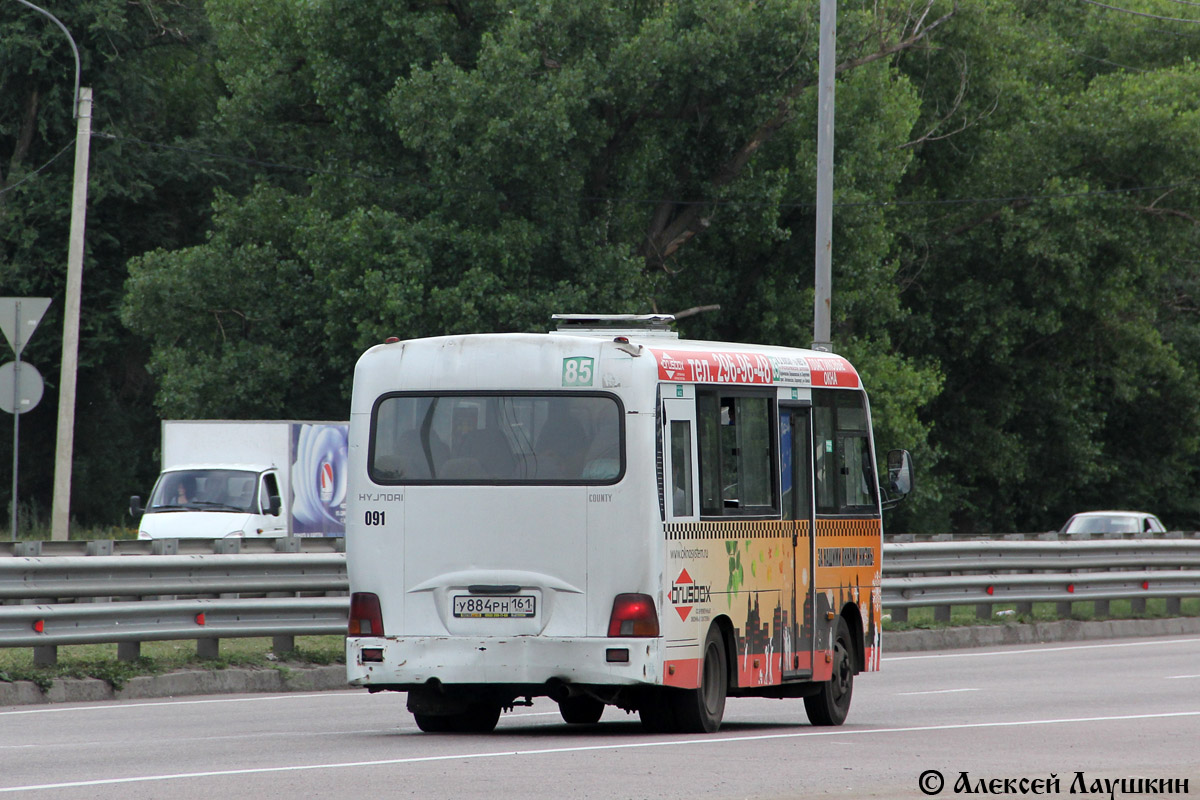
[[402, 662]]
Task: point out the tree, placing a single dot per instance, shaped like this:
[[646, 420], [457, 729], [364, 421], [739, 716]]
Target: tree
[[146, 62], [1048, 272], [480, 166]]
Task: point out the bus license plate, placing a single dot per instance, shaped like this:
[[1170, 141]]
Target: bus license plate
[[502, 606]]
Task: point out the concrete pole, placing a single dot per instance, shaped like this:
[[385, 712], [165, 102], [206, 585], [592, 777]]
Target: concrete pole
[[61, 512], [823, 299]]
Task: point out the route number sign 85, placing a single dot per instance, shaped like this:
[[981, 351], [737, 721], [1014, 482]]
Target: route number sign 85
[[577, 371]]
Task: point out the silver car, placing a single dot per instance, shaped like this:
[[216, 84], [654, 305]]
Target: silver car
[[1113, 522]]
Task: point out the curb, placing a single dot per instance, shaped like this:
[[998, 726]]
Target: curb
[[1018, 633], [317, 679], [177, 684]]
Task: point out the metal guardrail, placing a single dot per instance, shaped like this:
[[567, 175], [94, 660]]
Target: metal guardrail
[[135, 622], [129, 593], [987, 573]]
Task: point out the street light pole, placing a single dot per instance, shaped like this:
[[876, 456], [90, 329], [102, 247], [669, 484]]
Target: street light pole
[[823, 295], [60, 515]]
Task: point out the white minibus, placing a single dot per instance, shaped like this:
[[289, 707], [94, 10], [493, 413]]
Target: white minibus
[[610, 515]]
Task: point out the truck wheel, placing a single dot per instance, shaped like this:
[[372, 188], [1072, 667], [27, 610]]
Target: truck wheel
[[831, 704]]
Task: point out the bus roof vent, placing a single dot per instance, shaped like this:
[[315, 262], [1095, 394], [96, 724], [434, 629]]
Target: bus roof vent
[[610, 324]]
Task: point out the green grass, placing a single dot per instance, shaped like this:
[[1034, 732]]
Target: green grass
[[100, 660], [40, 530], [923, 618]]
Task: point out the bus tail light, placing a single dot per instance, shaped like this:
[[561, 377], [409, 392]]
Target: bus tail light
[[365, 617], [633, 615]]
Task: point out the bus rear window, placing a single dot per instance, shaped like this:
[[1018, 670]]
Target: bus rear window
[[513, 438]]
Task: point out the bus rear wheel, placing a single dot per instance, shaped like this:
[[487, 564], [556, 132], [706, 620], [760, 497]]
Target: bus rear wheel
[[476, 718], [693, 710], [831, 704], [581, 710]]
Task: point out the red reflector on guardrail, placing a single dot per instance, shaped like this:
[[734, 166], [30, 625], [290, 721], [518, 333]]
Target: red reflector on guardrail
[[1071, 588], [1145, 584], [991, 590], [200, 618], [39, 625]]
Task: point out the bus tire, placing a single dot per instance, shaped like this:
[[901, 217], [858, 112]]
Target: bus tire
[[656, 712], [581, 710], [701, 710], [433, 723], [831, 704], [477, 718]]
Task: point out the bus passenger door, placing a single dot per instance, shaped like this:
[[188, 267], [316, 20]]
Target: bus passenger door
[[680, 470], [796, 479]]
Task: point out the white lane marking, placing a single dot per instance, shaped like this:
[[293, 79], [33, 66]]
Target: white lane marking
[[110, 706], [936, 691], [1180, 677], [699, 740], [976, 654]]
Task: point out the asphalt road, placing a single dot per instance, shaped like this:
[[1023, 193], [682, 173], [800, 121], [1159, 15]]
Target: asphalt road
[[1059, 712]]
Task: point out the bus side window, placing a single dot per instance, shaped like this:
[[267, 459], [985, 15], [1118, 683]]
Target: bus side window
[[737, 450], [842, 453]]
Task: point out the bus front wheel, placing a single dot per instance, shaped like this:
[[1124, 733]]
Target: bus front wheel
[[831, 704]]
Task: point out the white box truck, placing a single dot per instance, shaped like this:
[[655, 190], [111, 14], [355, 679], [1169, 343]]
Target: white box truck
[[247, 479]]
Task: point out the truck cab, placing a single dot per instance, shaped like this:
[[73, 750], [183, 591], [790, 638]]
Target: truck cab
[[213, 502]]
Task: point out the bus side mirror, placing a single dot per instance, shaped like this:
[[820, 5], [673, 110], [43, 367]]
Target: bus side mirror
[[900, 472], [135, 506]]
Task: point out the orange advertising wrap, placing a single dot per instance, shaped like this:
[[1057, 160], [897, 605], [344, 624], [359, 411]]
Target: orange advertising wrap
[[751, 572]]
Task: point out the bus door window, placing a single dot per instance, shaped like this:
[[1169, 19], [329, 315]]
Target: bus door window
[[824, 469], [794, 464]]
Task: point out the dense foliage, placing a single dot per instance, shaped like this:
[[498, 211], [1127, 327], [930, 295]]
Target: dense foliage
[[277, 185]]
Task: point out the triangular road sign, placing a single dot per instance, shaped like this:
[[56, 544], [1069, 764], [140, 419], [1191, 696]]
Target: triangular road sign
[[19, 318]]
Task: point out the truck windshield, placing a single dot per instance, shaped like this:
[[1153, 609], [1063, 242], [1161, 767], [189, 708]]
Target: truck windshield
[[510, 438], [205, 489]]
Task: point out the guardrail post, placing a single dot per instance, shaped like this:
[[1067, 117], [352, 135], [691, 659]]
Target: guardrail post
[[283, 644], [1137, 605], [165, 547], [1101, 609], [100, 547], [129, 651], [1174, 606], [983, 611], [208, 649], [1063, 609], [28, 549], [899, 614], [45, 655], [1025, 609]]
